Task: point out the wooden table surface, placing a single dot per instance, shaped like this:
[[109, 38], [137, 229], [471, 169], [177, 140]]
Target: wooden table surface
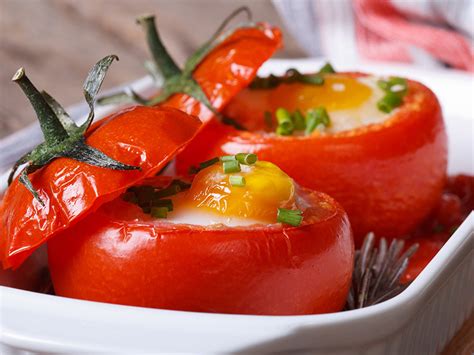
[[57, 41]]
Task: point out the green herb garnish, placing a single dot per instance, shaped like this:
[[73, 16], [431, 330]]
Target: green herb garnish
[[389, 102], [285, 123], [291, 217], [227, 158], [395, 89], [237, 180], [151, 198], [159, 212], [208, 163], [232, 166], [299, 120], [316, 117], [246, 158], [327, 69], [291, 76]]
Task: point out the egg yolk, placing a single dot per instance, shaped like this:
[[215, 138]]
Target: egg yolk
[[266, 189], [337, 93]]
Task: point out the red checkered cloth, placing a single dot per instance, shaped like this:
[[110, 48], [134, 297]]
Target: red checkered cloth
[[424, 32]]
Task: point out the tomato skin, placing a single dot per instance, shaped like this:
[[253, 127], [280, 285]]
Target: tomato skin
[[229, 68], [388, 177], [270, 270], [140, 136], [71, 189]]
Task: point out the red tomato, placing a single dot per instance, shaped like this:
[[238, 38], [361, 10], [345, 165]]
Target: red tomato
[[140, 136], [120, 255], [229, 68], [388, 176]]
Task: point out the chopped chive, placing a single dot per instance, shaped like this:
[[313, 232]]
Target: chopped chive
[[285, 123], [182, 184], [280, 131], [146, 209], [130, 196], [316, 117], [395, 80], [237, 180], [159, 212], [383, 84], [227, 158], [389, 102], [142, 192], [231, 166], [327, 69], [168, 191], [267, 116], [298, 120], [193, 170], [313, 79], [163, 203], [208, 163], [246, 158], [394, 84], [291, 217]]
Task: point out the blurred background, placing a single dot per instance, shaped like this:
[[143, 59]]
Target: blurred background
[[57, 41]]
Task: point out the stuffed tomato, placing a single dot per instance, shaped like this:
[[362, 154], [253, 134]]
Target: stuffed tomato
[[377, 145], [244, 239]]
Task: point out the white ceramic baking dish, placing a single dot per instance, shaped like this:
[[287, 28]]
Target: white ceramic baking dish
[[421, 320]]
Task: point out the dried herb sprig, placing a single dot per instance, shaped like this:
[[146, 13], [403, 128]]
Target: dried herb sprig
[[167, 74], [62, 137], [377, 272]]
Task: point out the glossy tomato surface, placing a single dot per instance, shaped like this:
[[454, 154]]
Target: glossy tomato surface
[[139, 136], [120, 255], [387, 176], [229, 68]]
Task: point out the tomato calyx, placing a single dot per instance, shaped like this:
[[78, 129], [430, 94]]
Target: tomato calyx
[[62, 136], [166, 73]]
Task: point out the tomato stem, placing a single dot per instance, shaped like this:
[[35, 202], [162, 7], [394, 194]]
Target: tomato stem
[[62, 137], [161, 57]]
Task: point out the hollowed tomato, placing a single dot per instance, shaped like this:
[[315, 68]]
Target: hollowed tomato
[[120, 255]]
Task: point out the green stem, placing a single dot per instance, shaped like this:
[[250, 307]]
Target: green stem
[[51, 126], [160, 55]]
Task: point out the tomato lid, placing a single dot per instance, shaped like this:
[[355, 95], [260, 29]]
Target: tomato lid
[[69, 189]]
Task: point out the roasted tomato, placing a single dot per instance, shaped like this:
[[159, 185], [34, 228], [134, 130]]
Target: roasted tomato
[[387, 170], [229, 68], [219, 250], [141, 136]]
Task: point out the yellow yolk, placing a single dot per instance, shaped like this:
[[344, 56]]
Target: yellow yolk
[[337, 93], [266, 189]]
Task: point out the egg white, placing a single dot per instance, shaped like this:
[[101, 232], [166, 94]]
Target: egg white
[[363, 115], [198, 217]]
